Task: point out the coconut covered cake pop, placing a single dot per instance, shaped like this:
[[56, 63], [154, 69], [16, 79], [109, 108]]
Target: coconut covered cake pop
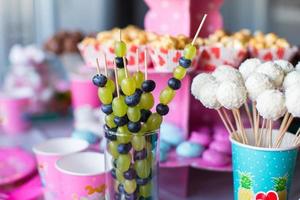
[[292, 103], [231, 95], [271, 104], [256, 84], [199, 81], [207, 95], [248, 67], [273, 71], [291, 79], [286, 66], [228, 73]]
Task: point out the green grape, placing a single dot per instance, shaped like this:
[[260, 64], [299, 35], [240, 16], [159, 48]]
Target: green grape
[[144, 128], [120, 176], [120, 49], [123, 162], [130, 186], [128, 86], [146, 101], [166, 96], [113, 149], [189, 51], [134, 114], [179, 72], [110, 85], [146, 190], [123, 130], [109, 120], [154, 121], [121, 75], [139, 78], [119, 106], [124, 138], [142, 168], [138, 142], [105, 95]]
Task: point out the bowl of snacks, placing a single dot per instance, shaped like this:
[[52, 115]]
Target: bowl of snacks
[[268, 47]]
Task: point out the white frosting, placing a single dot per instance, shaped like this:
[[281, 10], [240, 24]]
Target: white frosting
[[292, 103], [207, 95], [228, 73], [256, 84], [231, 95], [286, 66], [291, 79], [199, 81], [273, 71], [271, 104], [248, 67], [297, 67]]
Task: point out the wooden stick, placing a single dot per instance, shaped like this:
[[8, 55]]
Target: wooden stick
[[137, 60], [116, 78], [199, 28], [285, 118], [224, 122], [238, 126], [105, 65], [296, 140], [282, 133], [249, 115], [125, 67], [242, 125], [270, 133], [145, 64], [98, 66], [228, 120], [254, 118], [261, 131]]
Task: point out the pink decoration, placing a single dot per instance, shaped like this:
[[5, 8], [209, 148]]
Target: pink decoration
[[183, 16], [47, 154], [13, 114], [273, 53]]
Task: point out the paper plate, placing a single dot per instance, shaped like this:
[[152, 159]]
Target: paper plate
[[15, 164]]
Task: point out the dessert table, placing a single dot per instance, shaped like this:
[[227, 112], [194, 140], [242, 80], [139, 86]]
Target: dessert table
[[203, 185]]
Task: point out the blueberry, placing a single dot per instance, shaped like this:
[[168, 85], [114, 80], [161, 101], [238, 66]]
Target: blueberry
[[113, 173], [133, 196], [121, 188], [186, 63], [121, 121], [124, 148], [142, 181], [130, 174], [174, 83], [139, 91], [134, 127], [145, 114], [162, 109], [119, 62], [108, 135], [107, 108], [148, 85], [133, 99], [99, 80], [140, 155]]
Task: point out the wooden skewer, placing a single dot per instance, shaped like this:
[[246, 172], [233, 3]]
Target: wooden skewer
[[270, 133], [278, 143], [98, 66], [285, 118], [116, 78], [237, 123], [199, 28], [261, 132], [146, 64], [224, 122], [249, 115], [105, 65], [296, 140], [137, 60], [242, 125], [228, 119], [125, 67]]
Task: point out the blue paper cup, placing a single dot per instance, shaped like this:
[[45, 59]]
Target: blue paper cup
[[263, 173]]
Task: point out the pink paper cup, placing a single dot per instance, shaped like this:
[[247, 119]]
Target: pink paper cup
[[82, 176], [47, 154], [13, 114]]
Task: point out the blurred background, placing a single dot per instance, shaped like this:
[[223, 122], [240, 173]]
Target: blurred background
[[33, 21]]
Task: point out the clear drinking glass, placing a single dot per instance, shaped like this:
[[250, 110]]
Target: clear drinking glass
[[131, 162]]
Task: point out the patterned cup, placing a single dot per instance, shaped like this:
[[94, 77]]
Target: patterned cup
[[47, 154], [82, 176], [263, 173]]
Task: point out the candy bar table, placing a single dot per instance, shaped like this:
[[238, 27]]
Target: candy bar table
[[204, 185]]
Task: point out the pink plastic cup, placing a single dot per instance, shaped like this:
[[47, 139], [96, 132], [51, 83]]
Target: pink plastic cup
[[82, 176], [47, 154], [13, 114]]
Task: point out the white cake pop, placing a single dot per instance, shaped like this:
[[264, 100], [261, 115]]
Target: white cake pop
[[292, 96], [248, 67], [297, 67], [286, 66], [199, 81], [228, 73], [231, 95], [271, 104], [291, 79], [256, 84], [273, 71], [207, 95]]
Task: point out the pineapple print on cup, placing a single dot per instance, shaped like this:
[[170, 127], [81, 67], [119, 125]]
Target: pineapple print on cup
[[245, 190], [280, 185]]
